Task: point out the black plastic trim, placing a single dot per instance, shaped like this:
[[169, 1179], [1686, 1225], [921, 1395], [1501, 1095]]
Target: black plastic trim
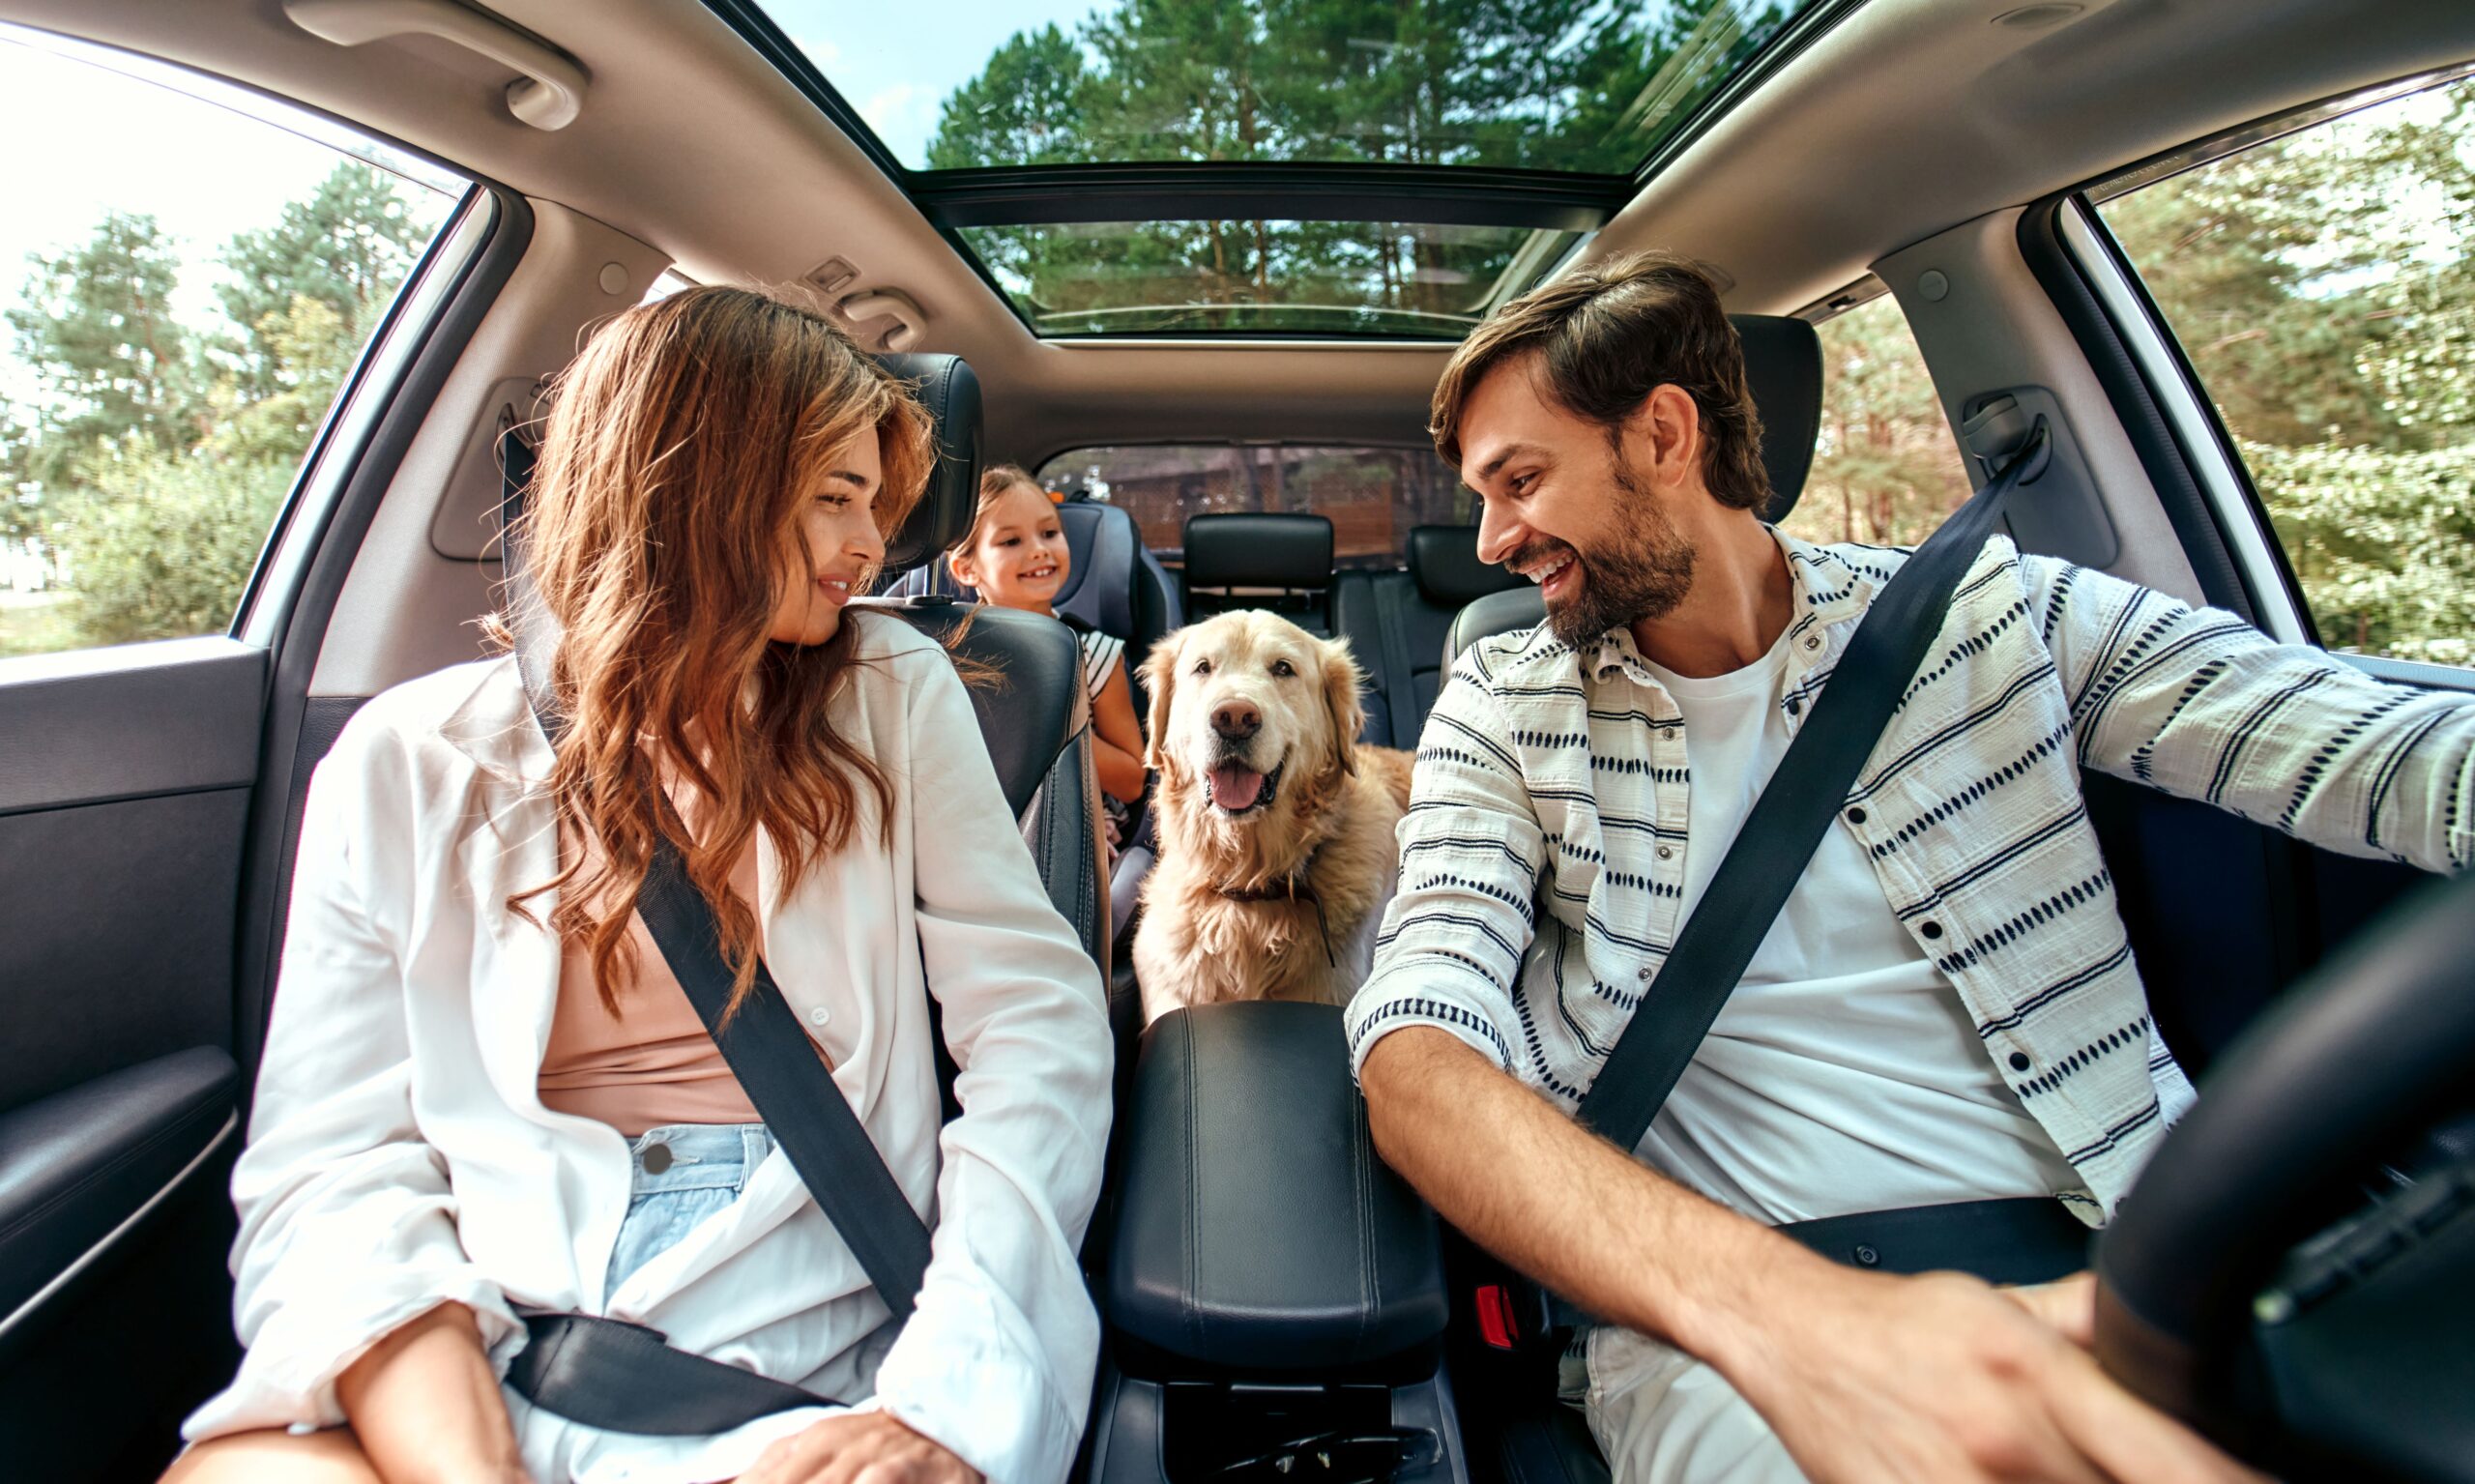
[[1446, 194], [266, 870], [2152, 436]]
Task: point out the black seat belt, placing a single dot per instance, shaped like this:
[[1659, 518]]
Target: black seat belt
[[1779, 836], [2024, 1240], [623, 1377]]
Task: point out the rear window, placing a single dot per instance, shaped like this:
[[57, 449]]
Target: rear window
[[1373, 496]]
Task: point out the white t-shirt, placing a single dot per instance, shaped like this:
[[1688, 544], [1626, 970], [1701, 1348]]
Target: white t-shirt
[[1844, 1074]]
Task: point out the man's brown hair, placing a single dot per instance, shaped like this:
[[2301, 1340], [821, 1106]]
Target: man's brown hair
[[1606, 337]]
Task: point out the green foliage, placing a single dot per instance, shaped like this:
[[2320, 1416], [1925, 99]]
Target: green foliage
[[1885, 469], [96, 328], [1542, 84], [151, 466], [2323, 288], [164, 541]]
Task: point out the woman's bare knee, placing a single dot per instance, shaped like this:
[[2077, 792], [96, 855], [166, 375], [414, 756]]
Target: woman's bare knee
[[331, 1456]]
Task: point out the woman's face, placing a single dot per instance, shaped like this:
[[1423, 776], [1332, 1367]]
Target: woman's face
[[838, 520], [1019, 558]]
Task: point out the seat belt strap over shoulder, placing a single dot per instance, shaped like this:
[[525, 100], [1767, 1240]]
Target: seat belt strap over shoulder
[[1786, 826]]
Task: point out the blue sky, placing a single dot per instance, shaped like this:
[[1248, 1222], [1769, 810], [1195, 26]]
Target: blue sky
[[898, 62]]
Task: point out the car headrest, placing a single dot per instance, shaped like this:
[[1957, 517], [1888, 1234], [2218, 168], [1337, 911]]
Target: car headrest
[[1443, 561], [948, 387], [1783, 364], [1497, 613], [1249, 550]]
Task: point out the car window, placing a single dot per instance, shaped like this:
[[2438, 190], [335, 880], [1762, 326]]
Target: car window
[[1885, 469], [1373, 496], [187, 279], [2320, 287]]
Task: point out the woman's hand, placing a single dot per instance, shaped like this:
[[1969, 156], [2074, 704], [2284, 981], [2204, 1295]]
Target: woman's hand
[[839, 1450]]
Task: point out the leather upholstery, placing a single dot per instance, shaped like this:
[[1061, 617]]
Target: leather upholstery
[[1395, 623], [76, 1165], [1259, 550], [1288, 552], [1258, 1232], [1443, 562], [1027, 718], [949, 389], [1782, 365]]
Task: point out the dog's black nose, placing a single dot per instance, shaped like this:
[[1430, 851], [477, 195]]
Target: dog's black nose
[[1236, 721]]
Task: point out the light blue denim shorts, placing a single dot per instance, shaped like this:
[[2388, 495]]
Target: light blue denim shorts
[[683, 1172]]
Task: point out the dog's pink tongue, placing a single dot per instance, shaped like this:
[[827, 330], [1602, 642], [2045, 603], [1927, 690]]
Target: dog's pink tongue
[[1236, 788]]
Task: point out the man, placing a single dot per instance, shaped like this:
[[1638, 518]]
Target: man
[[1945, 1011]]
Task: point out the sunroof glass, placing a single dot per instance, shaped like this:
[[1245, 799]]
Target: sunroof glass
[[1564, 85], [1414, 279]]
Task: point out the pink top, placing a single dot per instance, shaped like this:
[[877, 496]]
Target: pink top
[[654, 1064]]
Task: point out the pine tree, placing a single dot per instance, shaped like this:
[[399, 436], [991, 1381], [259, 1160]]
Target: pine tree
[[96, 329], [345, 246]]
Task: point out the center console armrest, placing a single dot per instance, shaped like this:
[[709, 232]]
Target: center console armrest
[[1256, 1230]]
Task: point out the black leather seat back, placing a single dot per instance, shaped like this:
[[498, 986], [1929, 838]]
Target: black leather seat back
[[948, 388], [1396, 623], [1279, 561]]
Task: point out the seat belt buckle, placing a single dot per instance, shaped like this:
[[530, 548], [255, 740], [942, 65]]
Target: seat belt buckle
[[1498, 1317]]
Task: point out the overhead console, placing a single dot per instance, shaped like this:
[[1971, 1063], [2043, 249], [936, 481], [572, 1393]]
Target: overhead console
[[1275, 1295]]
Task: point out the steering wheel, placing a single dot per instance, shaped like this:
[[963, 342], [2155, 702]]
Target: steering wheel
[[2354, 1356]]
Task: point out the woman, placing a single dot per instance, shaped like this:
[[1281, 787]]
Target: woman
[[1015, 556], [485, 1094]]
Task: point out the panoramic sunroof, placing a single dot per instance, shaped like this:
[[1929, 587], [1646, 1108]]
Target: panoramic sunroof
[[1564, 85], [1384, 279], [1403, 165]]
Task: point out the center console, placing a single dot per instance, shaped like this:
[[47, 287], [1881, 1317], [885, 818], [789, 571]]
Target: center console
[[1274, 1299]]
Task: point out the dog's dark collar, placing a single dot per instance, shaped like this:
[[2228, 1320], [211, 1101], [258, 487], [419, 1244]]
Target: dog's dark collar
[[1292, 889]]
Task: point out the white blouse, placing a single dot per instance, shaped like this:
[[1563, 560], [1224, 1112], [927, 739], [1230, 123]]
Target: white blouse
[[399, 1153]]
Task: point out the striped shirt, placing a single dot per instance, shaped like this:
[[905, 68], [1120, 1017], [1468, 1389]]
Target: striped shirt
[[1542, 859]]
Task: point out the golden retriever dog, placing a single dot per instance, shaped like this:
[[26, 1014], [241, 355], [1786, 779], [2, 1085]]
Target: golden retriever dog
[[1276, 826]]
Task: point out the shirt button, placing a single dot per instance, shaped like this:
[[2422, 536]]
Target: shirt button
[[1644, 976], [2019, 1061], [1855, 816], [818, 1016], [1666, 853], [1795, 706], [1867, 1257], [1812, 641], [1930, 929]]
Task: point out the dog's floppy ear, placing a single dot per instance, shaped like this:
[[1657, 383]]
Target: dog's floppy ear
[[1159, 674], [1342, 679]]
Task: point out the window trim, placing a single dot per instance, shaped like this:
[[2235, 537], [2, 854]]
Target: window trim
[[377, 377], [2208, 451]]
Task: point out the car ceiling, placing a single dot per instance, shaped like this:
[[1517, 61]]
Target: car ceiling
[[1904, 119]]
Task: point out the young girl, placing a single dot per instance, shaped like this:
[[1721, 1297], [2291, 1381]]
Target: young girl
[[485, 1092], [1015, 554]]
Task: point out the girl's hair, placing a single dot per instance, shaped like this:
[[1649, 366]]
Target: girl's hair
[[993, 483], [680, 446]]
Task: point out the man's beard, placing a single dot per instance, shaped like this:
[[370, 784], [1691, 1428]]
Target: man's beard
[[1640, 575]]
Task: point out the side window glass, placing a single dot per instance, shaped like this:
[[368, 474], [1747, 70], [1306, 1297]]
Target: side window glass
[[2321, 287], [1885, 469], [187, 279], [1373, 496]]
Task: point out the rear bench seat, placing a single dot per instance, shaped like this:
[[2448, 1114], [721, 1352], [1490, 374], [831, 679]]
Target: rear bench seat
[[1395, 623]]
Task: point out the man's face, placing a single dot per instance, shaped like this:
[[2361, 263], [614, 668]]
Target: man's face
[[1569, 508]]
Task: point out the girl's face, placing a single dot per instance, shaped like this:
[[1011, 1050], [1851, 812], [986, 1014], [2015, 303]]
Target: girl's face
[[1019, 559], [837, 519]]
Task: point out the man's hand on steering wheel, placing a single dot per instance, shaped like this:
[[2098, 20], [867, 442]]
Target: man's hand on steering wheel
[[1876, 1379]]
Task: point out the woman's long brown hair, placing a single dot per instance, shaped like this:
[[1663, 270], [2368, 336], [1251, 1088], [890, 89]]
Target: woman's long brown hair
[[679, 448]]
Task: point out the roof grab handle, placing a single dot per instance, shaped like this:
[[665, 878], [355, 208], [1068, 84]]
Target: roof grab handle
[[548, 96], [905, 320]]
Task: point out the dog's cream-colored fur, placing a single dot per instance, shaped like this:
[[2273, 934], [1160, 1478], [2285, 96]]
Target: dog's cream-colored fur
[[1328, 827]]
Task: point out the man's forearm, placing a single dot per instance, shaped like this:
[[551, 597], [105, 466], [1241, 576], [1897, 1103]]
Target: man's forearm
[[1566, 1207]]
